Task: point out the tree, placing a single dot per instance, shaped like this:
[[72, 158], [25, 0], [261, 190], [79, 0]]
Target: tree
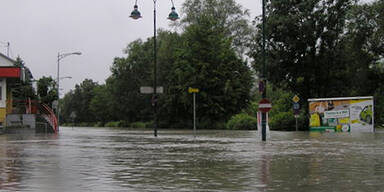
[[25, 89], [204, 56], [101, 104], [46, 90], [68, 107], [364, 45], [207, 61], [304, 46], [229, 15], [128, 74], [78, 101]]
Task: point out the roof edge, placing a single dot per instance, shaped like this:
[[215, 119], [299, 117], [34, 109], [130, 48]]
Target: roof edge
[[341, 98], [8, 58]]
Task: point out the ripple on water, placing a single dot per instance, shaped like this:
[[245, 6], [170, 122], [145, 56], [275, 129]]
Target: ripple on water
[[101, 159]]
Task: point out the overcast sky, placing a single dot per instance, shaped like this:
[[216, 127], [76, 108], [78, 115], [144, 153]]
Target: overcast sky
[[38, 29]]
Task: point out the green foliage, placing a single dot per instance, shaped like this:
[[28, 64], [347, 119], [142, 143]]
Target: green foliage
[[205, 56], [138, 125], [321, 48], [230, 16], [47, 90], [101, 104], [25, 90], [364, 47], [22, 90], [282, 121], [281, 116], [242, 121], [304, 46], [98, 124], [207, 61], [123, 86], [316, 48], [78, 101], [113, 124]]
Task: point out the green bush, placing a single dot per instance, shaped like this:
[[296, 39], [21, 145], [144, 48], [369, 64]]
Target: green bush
[[138, 125], [98, 124], [242, 121], [282, 121], [113, 124], [149, 124]]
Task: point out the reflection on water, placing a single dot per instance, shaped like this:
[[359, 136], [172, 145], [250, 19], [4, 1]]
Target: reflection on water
[[101, 159]]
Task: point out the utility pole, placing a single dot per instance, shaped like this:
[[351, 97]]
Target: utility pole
[[8, 47], [264, 94]]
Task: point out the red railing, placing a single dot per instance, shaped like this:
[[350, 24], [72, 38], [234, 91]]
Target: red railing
[[34, 107], [50, 116]]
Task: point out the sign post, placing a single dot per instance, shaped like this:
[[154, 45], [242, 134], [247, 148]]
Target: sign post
[[151, 90], [194, 91], [296, 109], [264, 106]]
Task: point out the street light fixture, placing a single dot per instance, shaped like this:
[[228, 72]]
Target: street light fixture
[[61, 56], [135, 14], [173, 16], [66, 77]]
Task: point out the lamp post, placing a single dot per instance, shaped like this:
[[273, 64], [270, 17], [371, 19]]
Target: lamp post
[[264, 79], [173, 16], [61, 56]]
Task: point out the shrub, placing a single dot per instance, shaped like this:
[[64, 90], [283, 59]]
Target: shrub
[[113, 124], [84, 124], [98, 124], [242, 121], [282, 121], [149, 124], [138, 125]]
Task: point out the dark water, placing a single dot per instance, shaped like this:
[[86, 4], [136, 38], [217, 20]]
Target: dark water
[[101, 159]]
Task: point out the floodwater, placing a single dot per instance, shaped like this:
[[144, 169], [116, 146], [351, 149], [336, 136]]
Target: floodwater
[[103, 159]]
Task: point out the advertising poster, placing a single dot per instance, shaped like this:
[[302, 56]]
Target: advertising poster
[[342, 114]]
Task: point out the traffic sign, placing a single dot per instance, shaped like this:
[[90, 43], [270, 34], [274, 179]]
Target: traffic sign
[[193, 90], [149, 90], [296, 106], [296, 99], [265, 105]]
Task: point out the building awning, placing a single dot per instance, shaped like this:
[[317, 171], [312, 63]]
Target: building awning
[[10, 72]]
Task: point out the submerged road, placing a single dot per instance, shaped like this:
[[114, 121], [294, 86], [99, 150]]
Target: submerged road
[[103, 159]]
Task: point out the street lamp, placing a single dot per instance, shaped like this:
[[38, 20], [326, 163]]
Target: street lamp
[[173, 16], [61, 56], [66, 77], [264, 82]]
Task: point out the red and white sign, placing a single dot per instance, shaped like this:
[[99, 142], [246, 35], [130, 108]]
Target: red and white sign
[[265, 105]]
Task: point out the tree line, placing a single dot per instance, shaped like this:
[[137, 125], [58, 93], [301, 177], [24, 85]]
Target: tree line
[[315, 48]]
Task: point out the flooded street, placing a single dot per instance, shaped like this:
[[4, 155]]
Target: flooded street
[[102, 159]]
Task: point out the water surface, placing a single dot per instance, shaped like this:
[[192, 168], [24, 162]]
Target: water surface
[[103, 159]]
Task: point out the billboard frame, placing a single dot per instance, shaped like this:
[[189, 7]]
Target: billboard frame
[[330, 114]]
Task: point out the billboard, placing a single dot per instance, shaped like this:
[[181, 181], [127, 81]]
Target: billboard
[[347, 114]]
